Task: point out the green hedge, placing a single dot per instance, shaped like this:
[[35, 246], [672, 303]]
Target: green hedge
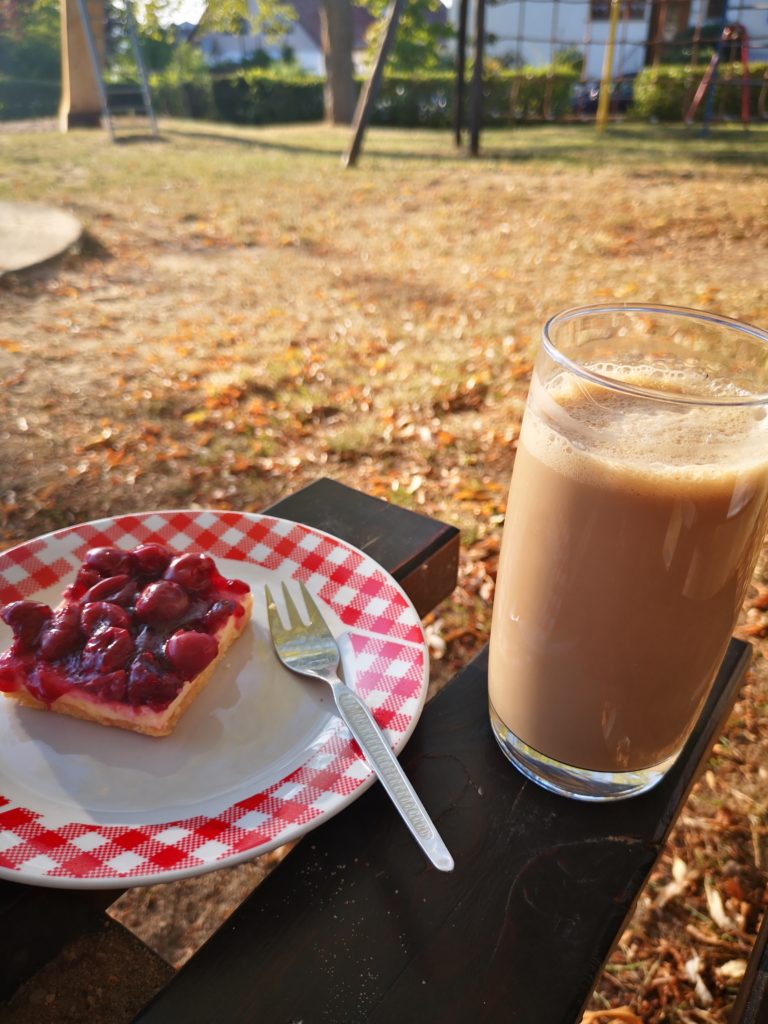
[[508, 97], [666, 93], [173, 98], [261, 96], [27, 98]]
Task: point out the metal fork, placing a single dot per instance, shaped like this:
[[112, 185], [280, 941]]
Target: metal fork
[[311, 650]]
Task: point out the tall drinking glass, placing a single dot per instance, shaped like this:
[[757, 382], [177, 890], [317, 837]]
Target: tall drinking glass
[[636, 514]]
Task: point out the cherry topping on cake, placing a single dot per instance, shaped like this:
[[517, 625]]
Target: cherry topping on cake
[[61, 635], [190, 652], [149, 684], [26, 619], [162, 601], [48, 682], [217, 615], [132, 628], [236, 587], [108, 561], [120, 589], [152, 559], [85, 579], [97, 614], [108, 686], [192, 571], [148, 639], [107, 650], [12, 664]]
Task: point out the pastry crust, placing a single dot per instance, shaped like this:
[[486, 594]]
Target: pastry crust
[[142, 718]]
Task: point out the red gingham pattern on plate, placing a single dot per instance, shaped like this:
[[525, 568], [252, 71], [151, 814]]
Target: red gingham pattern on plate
[[367, 600], [390, 671]]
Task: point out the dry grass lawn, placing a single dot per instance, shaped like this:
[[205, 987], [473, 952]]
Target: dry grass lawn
[[244, 315]]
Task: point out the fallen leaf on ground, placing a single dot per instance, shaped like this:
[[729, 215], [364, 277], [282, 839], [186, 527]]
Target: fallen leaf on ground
[[693, 972], [681, 875], [717, 909], [621, 1013], [732, 970]]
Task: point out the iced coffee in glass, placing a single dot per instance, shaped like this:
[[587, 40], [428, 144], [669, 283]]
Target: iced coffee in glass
[[636, 514]]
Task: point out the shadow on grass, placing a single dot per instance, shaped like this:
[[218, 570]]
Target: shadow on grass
[[629, 143], [555, 143], [135, 137], [253, 143], [33, 279], [91, 248]]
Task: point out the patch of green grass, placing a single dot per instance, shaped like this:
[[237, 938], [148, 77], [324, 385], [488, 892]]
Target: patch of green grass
[[353, 440]]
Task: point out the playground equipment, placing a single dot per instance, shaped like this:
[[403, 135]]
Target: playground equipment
[[733, 34], [84, 96], [605, 81]]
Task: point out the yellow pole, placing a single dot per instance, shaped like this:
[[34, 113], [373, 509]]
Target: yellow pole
[[605, 82]]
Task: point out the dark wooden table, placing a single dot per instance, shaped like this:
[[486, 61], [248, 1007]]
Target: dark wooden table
[[752, 1003], [354, 925]]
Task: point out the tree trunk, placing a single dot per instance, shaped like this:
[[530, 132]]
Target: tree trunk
[[337, 36]]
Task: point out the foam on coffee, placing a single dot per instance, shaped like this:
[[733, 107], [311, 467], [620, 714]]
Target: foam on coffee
[[571, 414]]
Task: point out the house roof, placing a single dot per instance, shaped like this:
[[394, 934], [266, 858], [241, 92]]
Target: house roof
[[308, 16]]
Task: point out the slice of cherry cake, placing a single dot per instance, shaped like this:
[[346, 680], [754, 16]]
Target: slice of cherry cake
[[135, 639]]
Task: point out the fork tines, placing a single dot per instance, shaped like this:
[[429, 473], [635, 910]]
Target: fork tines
[[294, 617]]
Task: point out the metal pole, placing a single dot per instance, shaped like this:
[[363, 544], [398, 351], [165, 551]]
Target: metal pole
[[658, 39], [144, 84], [710, 100], [96, 66], [605, 81], [697, 34], [461, 71], [476, 94], [744, 76], [371, 88]]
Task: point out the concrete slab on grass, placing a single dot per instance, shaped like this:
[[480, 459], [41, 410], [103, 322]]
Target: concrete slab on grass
[[33, 233]]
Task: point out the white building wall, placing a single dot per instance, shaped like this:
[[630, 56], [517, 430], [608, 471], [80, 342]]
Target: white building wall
[[306, 51], [534, 32], [753, 15], [220, 47], [531, 30]]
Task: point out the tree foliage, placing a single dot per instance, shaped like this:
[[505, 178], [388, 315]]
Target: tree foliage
[[420, 39], [271, 18], [156, 41], [30, 39]]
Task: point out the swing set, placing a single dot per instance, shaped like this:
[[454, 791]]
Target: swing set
[[467, 95], [733, 35]]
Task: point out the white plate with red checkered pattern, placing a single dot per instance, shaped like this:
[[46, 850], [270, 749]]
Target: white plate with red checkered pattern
[[259, 759]]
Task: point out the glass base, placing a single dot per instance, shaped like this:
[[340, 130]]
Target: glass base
[[577, 783]]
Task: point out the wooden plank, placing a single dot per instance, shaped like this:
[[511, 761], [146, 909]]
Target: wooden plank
[[751, 1005], [422, 554], [105, 974], [35, 923], [356, 927]]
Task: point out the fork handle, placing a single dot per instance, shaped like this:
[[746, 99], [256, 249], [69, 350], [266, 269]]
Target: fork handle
[[379, 756]]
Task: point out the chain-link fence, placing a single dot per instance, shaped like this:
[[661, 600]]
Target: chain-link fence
[[646, 34], [539, 60]]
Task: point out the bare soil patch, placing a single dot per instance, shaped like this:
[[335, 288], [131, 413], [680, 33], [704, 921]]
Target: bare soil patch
[[244, 316]]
